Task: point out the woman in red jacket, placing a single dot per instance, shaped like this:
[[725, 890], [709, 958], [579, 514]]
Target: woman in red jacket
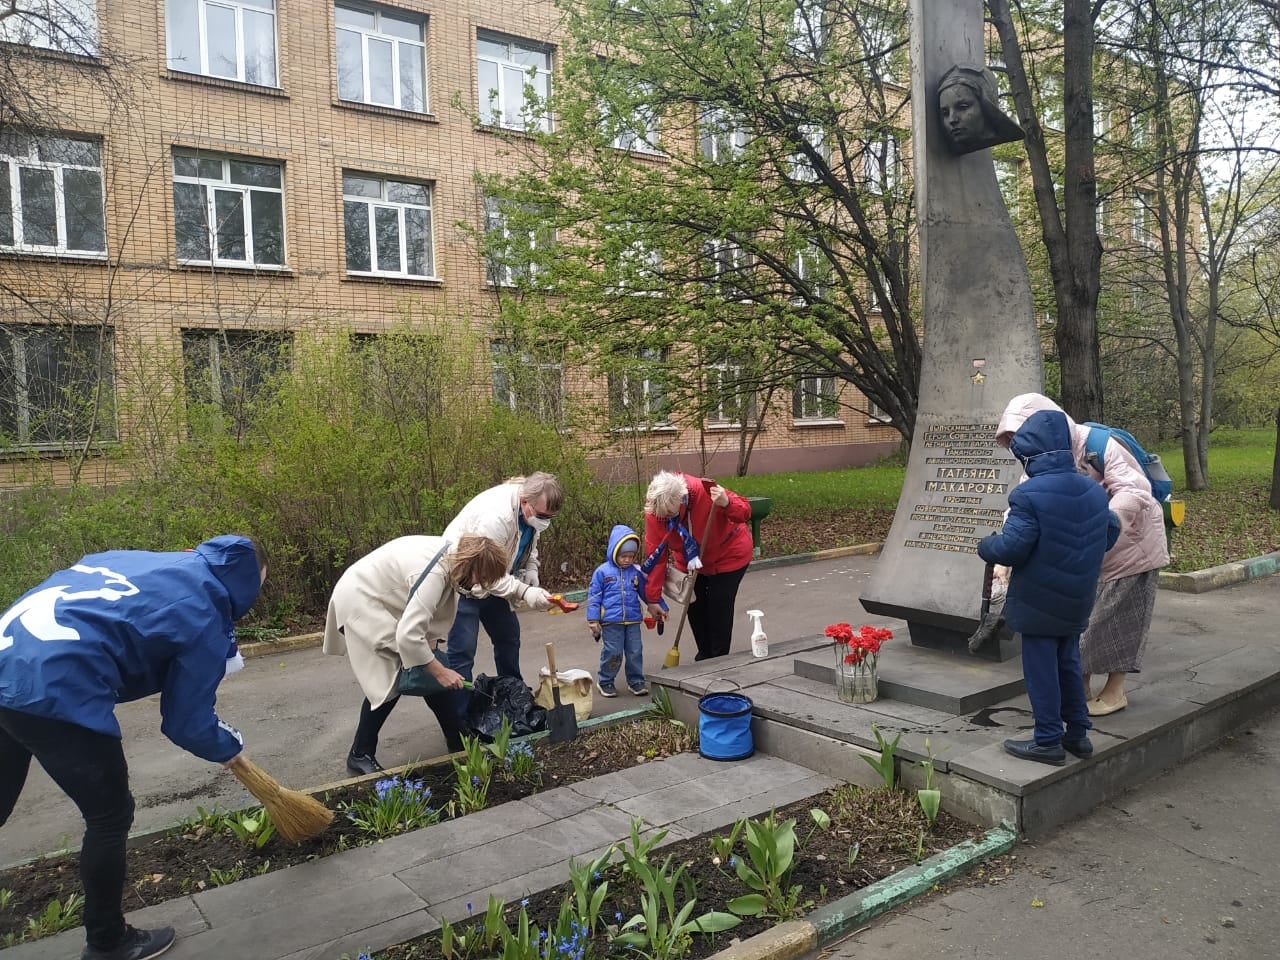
[[676, 509]]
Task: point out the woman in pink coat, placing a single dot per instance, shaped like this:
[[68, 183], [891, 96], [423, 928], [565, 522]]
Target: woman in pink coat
[[1117, 634]]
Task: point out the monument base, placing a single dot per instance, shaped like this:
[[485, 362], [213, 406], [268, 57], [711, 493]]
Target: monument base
[[1003, 645]]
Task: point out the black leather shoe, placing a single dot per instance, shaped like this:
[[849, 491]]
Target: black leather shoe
[[1030, 750], [1079, 748], [137, 945], [363, 764]]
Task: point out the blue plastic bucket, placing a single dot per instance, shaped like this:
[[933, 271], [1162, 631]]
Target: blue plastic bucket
[[724, 725]]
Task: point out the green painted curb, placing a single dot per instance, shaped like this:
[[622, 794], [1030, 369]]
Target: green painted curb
[[848, 913]]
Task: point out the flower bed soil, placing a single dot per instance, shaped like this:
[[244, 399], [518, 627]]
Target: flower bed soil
[[885, 824], [180, 862]]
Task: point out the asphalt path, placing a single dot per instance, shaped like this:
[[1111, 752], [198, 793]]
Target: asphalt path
[[298, 710]]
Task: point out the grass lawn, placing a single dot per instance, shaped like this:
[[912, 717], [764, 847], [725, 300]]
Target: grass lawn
[[1229, 521]]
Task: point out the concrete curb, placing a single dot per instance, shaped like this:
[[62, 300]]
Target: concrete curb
[[837, 919], [1238, 571]]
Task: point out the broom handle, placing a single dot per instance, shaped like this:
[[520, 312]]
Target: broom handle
[[688, 599]]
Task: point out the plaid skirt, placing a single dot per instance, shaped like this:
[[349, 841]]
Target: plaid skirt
[[1117, 633]]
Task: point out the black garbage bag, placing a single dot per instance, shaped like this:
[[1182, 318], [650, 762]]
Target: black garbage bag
[[493, 698]]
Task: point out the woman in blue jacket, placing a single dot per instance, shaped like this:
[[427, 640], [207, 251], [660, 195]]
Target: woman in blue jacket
[[116, 627]]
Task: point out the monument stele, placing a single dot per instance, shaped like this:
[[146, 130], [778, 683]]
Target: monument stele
[[981, 347]]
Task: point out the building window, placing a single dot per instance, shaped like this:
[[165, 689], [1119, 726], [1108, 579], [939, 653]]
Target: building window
[[506, 67], [1007, 179], [69, 26], [527, 383], [801, 165], [51, 195], [1101, 119], [1051, 108], [882, 163], [730, 396], [512, 243], [815, 398], [877, 414], [812, 274], [232, 39], [227, 211], [880, 32], [228, 373], [727, 267], [1144, 217], [388, 227], [639, 270], [808, 33], [1102, 208], [640, 133], [637, 395], [723, 135], [382, 57], [57, 384], [1141, 130]]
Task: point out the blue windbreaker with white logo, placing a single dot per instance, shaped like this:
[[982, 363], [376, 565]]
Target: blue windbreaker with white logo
[[127, 624]]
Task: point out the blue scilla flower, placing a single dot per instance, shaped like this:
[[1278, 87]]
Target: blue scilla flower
[[618, 917], [595, 875], [524, 901], [468, 908], [475, 781], [364, 956], [733, 861], [383, 787]]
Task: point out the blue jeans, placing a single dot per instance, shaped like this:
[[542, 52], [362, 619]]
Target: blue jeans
[[1055, 687], [619, 640], [503, 627]]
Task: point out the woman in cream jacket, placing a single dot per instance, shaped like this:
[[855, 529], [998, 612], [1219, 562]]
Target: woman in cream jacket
[[391, 608]]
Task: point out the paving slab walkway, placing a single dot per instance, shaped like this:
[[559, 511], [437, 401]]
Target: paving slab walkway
[[374, 896]]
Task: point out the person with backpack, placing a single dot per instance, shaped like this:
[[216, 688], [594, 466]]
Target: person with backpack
[[1116, 637]]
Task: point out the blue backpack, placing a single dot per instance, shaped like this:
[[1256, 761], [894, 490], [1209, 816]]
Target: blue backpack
[[1095, 448]]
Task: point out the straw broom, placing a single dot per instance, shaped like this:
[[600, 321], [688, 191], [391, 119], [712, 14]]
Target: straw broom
[[672, 659], [296, 815]]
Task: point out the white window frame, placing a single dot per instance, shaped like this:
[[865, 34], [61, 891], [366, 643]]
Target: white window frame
[[1007, 179], [1052, 106], [811, 266], [728, 261], [239, 7], [1102, 211], [640, 261], [497, 111], [68, 26], [211, 189], [720, 371], [1141, 131], [401, 208], [722, 134], [643, 131], [1144, 217], [875, 28], [816, 390], [651, 393], [1101, 119], [509, 274], [17, 336], [506, 393], [805, 37], [888, 149], [801, 168], [877, 415], [32, 161], [397, 43]]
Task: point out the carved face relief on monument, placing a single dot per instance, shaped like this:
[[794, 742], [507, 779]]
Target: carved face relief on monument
[[969, 108]]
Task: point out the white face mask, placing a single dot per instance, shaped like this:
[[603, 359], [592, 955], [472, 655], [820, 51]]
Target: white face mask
[[234, 664], [538, 524]]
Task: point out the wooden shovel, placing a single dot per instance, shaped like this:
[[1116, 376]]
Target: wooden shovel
[[562, 721]]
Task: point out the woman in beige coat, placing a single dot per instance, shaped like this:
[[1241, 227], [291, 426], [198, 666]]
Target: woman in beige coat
[[1117, 634], [391, 608]]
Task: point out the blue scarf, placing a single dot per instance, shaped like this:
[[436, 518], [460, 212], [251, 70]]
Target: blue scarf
[[691, 550]]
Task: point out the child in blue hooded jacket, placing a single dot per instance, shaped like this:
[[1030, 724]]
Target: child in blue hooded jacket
[[116, 627], [1054, 537], [615, 610]]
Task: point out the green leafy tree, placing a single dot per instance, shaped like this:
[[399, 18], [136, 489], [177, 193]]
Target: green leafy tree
[[726, 186]]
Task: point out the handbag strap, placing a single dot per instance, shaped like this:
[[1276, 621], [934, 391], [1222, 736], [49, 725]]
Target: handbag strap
[[422, 576]]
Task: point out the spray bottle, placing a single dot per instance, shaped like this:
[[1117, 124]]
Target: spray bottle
[[759, 642]]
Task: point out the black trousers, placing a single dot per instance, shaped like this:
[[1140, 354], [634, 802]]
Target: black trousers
[[91, 770], [711, 613], [371, 721]]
